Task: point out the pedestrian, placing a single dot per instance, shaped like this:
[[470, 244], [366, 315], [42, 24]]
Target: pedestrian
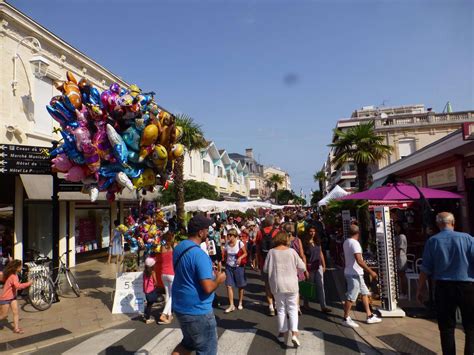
[[236, 257], [193, 291], [264, 243], [231, 225], [252, 230], [401, 246], [354, 274], [448, 258], [167, 275], [316, 266], [150, 284], [282, 265], [116, 247], [9, 293], [215, 237]]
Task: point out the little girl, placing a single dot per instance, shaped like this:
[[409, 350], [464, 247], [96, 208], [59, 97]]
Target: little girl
[[149, 287], [8, 296], [165, 258]]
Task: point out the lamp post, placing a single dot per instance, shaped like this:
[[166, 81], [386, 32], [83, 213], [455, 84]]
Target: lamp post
[[39, 63]]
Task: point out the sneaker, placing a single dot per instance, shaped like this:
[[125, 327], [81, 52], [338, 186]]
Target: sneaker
[[373, 319], [240, 307], [295, 341], [271, 311], [348, 322], [230, 309], [149, 321], [281, 339]]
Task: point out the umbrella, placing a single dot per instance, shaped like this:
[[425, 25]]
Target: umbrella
[[335, 193], [400, 192]]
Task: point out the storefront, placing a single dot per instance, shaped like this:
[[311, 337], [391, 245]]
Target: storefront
[[446, 164]]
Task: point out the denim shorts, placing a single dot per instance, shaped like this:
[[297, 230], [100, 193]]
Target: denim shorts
[[7, 301], [199, 333], [355, 285], [235, 276]]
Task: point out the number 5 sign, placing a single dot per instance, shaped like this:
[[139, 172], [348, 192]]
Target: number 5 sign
[[129, 295]]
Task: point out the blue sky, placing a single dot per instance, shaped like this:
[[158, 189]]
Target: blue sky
[[276, 75]]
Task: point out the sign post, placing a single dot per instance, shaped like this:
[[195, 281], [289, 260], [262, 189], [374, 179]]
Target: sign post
[[24, 159], [129, 296]]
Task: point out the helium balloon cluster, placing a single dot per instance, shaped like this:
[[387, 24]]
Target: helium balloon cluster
[[116, 139], [144, 235]]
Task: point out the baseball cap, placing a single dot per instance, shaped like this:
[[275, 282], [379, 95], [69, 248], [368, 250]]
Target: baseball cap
[[149, 262], [198, 223]]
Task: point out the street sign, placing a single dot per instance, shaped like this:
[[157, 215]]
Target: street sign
[[24, 159], [68, 186]]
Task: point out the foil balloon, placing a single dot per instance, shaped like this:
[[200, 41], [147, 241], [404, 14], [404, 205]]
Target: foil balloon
[[61, 163], [124, 181], [147, 178], [131, 137], [94, 193], [71, 90], [118, 145], [134, 90], [149, 135], [101, 141], [75, 174], [176, 151]]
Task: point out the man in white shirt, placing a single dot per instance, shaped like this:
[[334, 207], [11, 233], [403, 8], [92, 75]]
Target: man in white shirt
[[354, 274]]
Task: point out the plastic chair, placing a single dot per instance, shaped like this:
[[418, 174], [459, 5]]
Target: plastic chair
[[414, 276]]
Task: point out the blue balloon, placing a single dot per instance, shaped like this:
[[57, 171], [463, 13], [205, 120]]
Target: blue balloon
[[131, 137]]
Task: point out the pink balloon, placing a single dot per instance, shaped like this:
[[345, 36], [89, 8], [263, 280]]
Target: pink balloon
[[61, 163], [75, 174]]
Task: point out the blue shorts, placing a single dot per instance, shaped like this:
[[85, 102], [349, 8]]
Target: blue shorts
[[199, 333], [235, 276], [7, 301], [355, 285]]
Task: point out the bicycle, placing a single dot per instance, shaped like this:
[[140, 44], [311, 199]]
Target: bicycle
[[44, 289]]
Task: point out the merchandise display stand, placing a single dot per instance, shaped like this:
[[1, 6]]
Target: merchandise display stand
[[386, 256]]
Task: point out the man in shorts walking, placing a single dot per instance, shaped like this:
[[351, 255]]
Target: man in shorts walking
[[354, 274], [193, 291]]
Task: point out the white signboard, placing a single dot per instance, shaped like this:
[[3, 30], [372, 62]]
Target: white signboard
[[129, 295]]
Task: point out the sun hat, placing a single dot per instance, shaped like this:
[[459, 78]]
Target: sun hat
[[150, 262]]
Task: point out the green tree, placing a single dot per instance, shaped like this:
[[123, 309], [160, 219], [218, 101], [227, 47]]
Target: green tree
[[274, 181], [192, 139], [364, 147], [193, 190], [316, 196], [320, 178]]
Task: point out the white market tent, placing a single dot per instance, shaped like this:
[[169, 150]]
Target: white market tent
[[336, 192], [210, 206]]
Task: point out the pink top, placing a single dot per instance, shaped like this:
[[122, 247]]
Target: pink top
[[11, 286], [167, 263], [148, 283]]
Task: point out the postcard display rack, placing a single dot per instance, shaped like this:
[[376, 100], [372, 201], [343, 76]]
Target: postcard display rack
[[388, 279]]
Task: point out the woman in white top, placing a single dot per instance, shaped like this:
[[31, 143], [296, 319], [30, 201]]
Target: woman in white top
[[282, 266], [235, 254]]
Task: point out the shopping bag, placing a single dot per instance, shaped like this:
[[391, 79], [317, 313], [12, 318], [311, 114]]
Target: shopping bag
[[307, 290]]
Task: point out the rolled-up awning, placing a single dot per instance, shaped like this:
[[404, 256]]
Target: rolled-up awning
[[40, 187]]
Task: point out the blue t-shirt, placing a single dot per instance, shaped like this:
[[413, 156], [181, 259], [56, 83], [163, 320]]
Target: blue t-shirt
[[187, 294], [449, 256]]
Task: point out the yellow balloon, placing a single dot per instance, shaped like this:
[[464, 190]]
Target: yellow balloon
[[177, 150], [179, 133], [147, 178], [149, 135]]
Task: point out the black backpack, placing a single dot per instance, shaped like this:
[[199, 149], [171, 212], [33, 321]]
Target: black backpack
[[267, 242]]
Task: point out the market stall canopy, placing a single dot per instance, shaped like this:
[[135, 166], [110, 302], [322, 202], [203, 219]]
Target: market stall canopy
[[401, 192], [210, 206], [336, 192]]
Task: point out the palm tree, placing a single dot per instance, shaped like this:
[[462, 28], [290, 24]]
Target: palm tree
[[364, 147], [274, 181], [320, 178], [192, 139]]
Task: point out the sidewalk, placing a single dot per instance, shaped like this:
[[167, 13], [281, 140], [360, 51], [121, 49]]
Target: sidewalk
[[70, 318], [399, 335]]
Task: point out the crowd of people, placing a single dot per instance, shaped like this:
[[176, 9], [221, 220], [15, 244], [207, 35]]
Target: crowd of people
[[288, 250]]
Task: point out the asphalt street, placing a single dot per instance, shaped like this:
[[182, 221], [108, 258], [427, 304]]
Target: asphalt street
[[248, 331]]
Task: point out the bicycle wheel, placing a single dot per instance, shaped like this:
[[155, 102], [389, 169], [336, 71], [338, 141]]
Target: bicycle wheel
[[73, 282], [41, 293]]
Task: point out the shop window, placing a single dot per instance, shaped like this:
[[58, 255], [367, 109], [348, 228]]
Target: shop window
[[92, 229], [42, 95], [406, 147], [206, 166], [39, 228]]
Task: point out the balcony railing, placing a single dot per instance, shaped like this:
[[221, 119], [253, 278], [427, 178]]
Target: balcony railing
[[424, 119]]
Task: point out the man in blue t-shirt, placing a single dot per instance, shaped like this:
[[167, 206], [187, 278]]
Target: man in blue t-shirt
[[448, 258], [193, 291]]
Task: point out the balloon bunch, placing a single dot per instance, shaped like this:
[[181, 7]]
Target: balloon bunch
[[145, 235], [116, 139]]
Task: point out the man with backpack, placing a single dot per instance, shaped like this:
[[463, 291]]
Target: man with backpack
[[264, 242]]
